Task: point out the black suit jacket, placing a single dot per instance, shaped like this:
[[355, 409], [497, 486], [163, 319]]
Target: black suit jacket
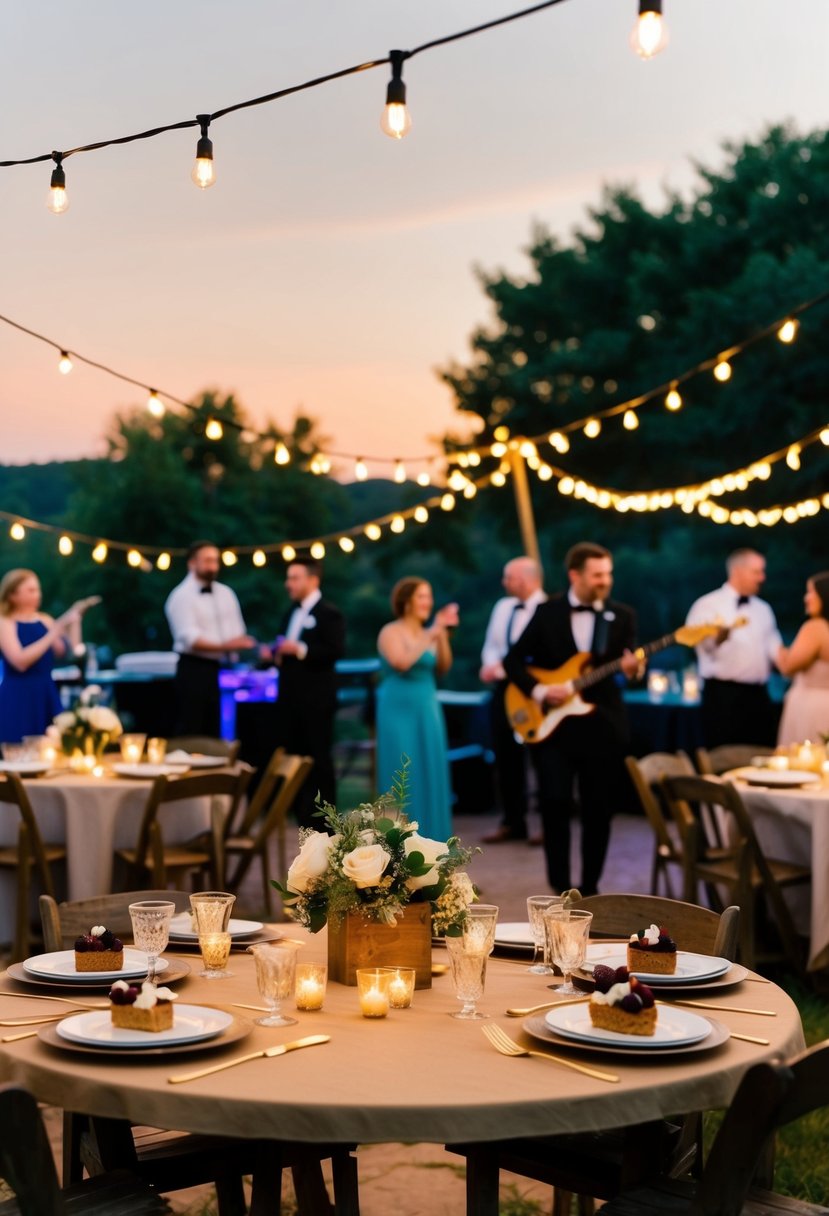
[[312, 681], [548, 642]]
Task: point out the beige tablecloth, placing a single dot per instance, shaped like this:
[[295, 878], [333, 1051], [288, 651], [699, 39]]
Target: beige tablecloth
[[417, 1075], [93, 816]]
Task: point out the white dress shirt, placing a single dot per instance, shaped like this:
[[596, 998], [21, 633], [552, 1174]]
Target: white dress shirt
[[214, 616], [300, 619], [508, 614], [748, 653], [583, 624]]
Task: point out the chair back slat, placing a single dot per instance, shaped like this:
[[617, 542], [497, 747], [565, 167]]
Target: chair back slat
[[62, 923], [167, 790], [716, 760], [697, 929]]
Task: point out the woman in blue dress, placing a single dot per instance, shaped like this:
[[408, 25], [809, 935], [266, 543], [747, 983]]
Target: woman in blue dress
[[409, 717], [29, 640]]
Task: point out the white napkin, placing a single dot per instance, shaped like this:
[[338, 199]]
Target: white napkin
[[177, 757]]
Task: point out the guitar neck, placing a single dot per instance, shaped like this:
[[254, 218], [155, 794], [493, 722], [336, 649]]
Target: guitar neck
[[610, 669]]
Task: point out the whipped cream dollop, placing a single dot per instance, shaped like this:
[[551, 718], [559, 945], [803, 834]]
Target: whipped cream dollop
[[649, 935], [97, 931], [150, 995], [613, 996]]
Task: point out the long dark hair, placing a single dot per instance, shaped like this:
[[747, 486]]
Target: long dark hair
[[820, 582]]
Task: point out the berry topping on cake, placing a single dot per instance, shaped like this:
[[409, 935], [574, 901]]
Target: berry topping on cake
[[625, 1004], [144, 1008], [98, 950]]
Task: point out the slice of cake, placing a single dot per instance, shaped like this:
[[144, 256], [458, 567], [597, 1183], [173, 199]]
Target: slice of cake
[[621, 1003], [144, 1008], [652, 950], [98, 950]]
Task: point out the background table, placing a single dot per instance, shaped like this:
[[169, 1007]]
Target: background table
[[93, 816], [415, 1076]]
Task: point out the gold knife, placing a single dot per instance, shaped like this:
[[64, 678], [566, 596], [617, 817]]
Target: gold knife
[[279, 1050], [763, 1013], [750, 1038]]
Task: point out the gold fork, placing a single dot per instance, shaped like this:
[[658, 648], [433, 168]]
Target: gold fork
[[501, 1041], [64, 1000]]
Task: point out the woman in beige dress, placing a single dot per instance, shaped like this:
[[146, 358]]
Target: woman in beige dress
[[806, 708]]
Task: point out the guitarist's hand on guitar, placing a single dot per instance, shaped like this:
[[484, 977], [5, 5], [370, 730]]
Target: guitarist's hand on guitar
[[557, 694], [632, 665]]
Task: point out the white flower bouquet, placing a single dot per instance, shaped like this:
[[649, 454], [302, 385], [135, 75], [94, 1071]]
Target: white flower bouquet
[[88, 726], [374, 862]]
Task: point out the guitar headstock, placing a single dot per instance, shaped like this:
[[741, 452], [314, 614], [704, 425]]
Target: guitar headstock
[[692, 635]]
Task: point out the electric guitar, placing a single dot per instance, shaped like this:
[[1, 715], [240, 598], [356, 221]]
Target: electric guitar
[[533, 722]]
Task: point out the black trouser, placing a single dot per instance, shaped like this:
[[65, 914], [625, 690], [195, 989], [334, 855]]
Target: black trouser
[[586, 751], [198, 707], [737, 713], [305, 729], [511, 766]]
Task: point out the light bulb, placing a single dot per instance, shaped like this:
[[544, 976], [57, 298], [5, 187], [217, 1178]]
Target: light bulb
[[498, 478], [398, 524], [498, 450], [65, 364], [447, 502], [58, 201], [559, 441], [281, 454], [456, 480], [163, 561], [259, 558], [501, 433], [203, 173], [17, 531], [134, 558], [396, 121], [318, 550], [155, 405], [650, 34], [346, 544], [592, 428], [673, 401], [399, 472], [824, 436], [288, 553], [229, 558], [373, 531], [630, 420], [793, 457], [99, 553], [545, 473], [470, 490], [722, 371], [424, 478], [214, 429], [788, 330], [65, 546], [360, 470], [421, 514]]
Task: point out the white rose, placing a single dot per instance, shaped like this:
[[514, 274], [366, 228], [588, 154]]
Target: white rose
[[101, 718], [65, 721], [431, 850], [365, 865], [311, 861]]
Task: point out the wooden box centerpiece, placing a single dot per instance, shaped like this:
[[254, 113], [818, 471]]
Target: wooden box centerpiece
[[354, 941]]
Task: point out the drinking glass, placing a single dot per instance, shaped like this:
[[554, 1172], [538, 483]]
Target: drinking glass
[[536, 907], [275, 970], [568, 930], [132, 748], [467, 958], [211, 910], [215, 950], [151, 929], [156, 750]]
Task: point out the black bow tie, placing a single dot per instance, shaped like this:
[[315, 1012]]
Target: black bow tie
[[206, 590], [743, 599], [583, 608]]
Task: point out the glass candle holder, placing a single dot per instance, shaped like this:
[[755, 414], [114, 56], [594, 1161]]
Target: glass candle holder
[[309, 986], [156, 751], [401, 986], [132, 748], [215, 951], [210, 911], [373, 987]]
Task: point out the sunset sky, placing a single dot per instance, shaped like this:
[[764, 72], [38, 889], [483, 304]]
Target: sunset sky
[[330, 269]]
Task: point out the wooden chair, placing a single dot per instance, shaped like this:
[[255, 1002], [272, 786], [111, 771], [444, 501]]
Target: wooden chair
[[599, 1166], [26, 1164], [27, 857], [717, 760], [205, 745], [738, 1166], [173, 1161], [253, 837], [646, 774], [152, 860], [745, 872]]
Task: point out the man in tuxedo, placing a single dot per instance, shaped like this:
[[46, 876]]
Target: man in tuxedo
[[311, 639], [207, 627], [585, 750]]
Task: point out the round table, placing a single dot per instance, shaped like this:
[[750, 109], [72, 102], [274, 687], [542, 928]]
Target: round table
[[417, 1075]]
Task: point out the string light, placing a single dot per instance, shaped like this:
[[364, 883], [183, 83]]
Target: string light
[[346, 544], [424, 478], [631, 420], [360, 470], [788, 330], [824, 436], [498, 450], [793, 457], [99, 553], [396, 120], [134, 558], [288, 553], [373, 531], [58, 198], [229, 558], [65, 546], [163, 561], [214, 429], [398, 524], [318, 550], [447, 502], [65, 363], [470, 490], [456, 480], [498, 478], [281, 455], [399, 472], [650, 34], [155, 405], [559, 442], [592, 428], [259, 558], [722, 370], [673, 400], [17, 531], [421, 514], [204, 173]]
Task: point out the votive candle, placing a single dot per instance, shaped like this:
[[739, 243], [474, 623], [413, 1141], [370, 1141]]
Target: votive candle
[[309, 990], [215, 949], [401, 987], [373, 984]]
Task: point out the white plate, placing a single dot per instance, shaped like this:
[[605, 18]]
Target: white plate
[[190, 1024], [690, 968], [61, 965], [674, 1028], [24, 768], [517, 933], [181, 928], [197, 759], [148, 771], [779, 778]]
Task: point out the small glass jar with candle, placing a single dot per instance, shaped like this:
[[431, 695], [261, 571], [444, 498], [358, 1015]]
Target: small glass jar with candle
[[156, 751], [132, 748], [401, 986], [215, 951], [690, 684], [373, 988], [309, 986], [658, 685]]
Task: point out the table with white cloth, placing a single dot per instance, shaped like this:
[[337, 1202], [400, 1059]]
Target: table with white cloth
[[92, 816], [793, 825]]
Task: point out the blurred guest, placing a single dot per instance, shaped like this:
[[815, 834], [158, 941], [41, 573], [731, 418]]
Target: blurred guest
[[29, 642], [410, 719], [311, 639], [806, 708], [208, 629], [522, 581], [736, 664]]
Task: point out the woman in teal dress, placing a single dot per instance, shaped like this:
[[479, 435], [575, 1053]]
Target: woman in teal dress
[[409, 718]]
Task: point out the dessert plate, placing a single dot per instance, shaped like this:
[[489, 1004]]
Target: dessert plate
[[674, 1028], [779, 779], [181, 928], [196, 759], [61, 965], [146, 772], [517, 933], [690, 968], [538, 1028], [25, 768], [89, 981], [239, 1029], [191, 1024]]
